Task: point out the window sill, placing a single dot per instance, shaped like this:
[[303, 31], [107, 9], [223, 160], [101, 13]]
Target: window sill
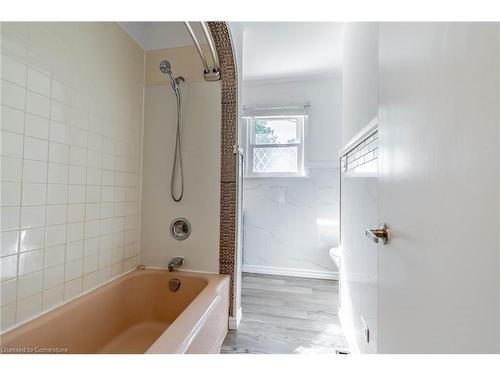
[[277, 177]]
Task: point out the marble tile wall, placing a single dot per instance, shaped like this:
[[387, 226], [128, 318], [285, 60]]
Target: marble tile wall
[[292, 223]]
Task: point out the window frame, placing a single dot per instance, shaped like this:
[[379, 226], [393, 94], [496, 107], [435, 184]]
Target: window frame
[[251, 145]]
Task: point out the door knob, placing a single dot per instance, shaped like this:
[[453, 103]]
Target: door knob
[[380, 234]]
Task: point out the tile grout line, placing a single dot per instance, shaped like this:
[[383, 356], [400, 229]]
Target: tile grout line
[[21, 196], [87, 116], [46, 197], [113, 135]]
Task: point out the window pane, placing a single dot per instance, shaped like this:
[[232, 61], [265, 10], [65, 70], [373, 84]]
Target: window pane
[[275, 130], [275, 160]]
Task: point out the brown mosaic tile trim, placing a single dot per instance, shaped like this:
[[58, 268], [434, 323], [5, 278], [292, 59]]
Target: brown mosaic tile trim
[[229, 110]]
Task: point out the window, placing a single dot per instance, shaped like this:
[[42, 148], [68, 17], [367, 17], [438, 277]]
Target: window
[[275, 146]]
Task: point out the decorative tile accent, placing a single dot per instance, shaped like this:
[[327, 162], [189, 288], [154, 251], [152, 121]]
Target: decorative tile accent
[[229, 100], [363, 153]]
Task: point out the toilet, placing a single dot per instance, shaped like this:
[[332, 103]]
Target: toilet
[[335, 255]]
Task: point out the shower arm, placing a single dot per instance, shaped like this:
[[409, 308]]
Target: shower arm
[[211, 74]]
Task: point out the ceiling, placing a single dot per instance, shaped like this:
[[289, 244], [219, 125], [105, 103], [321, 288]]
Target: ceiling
[[159, 35], [291, 50], [271, 50]]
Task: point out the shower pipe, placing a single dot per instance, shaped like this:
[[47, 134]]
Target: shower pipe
[[211, 74], [166, 68]]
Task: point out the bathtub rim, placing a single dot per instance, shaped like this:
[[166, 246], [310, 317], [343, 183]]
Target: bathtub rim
[[111, 280], [177, 338]]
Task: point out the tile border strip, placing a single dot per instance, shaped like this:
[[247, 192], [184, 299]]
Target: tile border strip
[[228, 189]]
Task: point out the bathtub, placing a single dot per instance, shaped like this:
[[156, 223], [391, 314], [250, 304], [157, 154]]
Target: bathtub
[[136, 313]]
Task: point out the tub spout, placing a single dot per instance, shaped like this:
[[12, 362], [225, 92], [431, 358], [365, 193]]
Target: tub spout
[[174, 263]]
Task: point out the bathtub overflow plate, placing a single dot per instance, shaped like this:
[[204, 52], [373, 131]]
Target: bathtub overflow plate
[[174, 285], [180, 229]]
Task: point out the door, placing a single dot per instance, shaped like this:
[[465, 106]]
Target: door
[[438, 188], [358, 283]]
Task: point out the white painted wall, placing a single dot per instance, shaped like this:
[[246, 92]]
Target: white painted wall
[[359, 194], [325, 115], [439, 188], [201, 162], [291, 50], [359, 75], [290, 224]]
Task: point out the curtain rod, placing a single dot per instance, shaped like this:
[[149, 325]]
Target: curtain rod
[[292, 106], [211, 74]]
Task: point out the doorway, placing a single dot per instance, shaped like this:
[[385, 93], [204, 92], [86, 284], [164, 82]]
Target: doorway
[[289, 136]]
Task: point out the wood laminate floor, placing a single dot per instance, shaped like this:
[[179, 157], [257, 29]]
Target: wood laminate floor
[[287, 315]]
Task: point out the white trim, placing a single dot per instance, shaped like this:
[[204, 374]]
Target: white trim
[[348, 329], [238, 150], [302, 129], [234, 321], [360, 136], [269, 81], [277, 111], [272, 177], [323, 164], [295, 272]]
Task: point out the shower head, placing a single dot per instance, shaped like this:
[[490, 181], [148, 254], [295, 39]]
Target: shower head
[[166, 69]]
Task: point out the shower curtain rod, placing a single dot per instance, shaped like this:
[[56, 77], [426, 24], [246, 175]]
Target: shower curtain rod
[[211, 74], [249, 110]]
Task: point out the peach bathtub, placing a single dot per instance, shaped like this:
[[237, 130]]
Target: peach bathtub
[[136, 313]]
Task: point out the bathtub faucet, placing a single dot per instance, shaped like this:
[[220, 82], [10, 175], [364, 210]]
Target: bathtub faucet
[[174, 263]]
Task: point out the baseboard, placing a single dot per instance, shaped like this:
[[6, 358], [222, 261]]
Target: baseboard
[[234, 321], [348, 329], [295, 272]]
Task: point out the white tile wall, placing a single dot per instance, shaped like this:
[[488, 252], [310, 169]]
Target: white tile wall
[[364, 153], [70, 158]]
